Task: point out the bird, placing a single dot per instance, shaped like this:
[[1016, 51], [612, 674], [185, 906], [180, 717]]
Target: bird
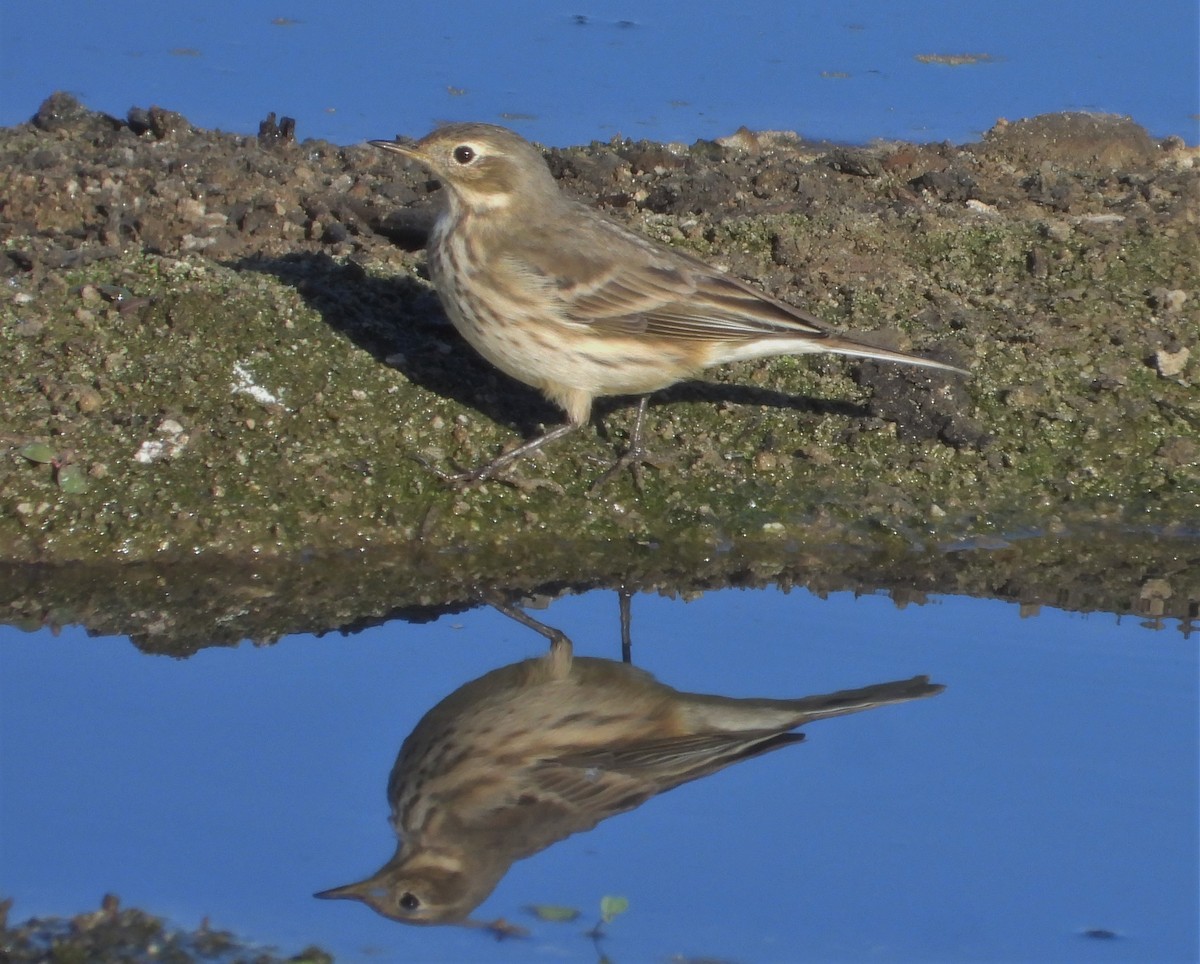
[[537, 750], [566, 300]]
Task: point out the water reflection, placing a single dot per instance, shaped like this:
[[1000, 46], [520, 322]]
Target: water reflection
[[532, 752]]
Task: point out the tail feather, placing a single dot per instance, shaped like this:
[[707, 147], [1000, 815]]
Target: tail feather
[[733, 715], [856, 349], [835, 344]]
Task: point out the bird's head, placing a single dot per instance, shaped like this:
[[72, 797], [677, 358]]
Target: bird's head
[[485, 167], [424, 887]]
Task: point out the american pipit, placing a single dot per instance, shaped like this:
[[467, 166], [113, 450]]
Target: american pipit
[[564, 299], [535, 751]]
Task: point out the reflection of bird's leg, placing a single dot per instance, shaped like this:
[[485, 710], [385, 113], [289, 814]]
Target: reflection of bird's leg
[[561, 649], [626, 597]]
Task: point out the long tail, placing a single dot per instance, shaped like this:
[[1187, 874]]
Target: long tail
[[743, 715], [840, 345], [864, 698], [726, 730]]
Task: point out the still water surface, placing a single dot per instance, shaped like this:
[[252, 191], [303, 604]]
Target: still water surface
[[567, 73], [1050, 790]]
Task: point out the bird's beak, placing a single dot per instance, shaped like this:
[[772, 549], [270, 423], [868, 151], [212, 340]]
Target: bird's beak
[[409, 151]]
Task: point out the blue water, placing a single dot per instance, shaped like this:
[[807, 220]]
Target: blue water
[[1051, 789], [565, 73]]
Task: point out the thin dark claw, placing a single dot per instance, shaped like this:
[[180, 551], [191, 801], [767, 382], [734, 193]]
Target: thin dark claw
[[450, 478], [634, 457], [490, 470]]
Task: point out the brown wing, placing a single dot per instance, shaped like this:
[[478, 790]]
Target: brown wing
[[677, 760], [615, 281], [548, 803], [552, 799], [609, 280]]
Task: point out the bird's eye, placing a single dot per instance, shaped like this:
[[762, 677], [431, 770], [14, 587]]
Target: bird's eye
[[409, 901], [463, 154]]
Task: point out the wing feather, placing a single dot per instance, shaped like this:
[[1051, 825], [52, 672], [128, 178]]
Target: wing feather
[[606, 281], [621, 284]]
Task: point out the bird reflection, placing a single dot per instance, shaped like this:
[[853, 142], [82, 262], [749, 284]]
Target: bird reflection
[[535, 751]]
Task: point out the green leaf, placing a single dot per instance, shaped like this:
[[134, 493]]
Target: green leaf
[[611, 907], [72, 480], [37, 452], [554, 913]]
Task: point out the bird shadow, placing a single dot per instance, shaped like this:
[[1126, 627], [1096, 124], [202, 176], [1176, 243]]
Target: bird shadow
[[698, 390], [400, 322]]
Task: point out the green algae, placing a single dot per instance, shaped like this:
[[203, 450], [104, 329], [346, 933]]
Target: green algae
[[244, 416]]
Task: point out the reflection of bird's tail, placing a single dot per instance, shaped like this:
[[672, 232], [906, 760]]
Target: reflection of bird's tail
[[744, 715], [720, 730]]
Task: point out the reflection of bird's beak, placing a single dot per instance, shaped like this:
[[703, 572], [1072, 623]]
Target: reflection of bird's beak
[[409, 151], [355, 891]]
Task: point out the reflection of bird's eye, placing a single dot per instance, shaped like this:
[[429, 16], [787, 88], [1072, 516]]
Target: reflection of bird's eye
[[464, 154], [409, 901]]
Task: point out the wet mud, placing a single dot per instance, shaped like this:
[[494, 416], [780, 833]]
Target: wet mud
[[227, 380]]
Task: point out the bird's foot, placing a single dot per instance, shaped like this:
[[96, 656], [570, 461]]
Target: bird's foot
[[462, 478], [459, 479], [491, 470], [636, 458]]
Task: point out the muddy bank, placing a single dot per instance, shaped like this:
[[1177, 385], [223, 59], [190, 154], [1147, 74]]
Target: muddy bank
[[188, 605], [223, 349], [116, 933]]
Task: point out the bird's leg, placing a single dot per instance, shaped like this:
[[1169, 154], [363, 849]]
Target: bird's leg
[[490, 469], [625, 597], [561, 649], [635, 456]]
